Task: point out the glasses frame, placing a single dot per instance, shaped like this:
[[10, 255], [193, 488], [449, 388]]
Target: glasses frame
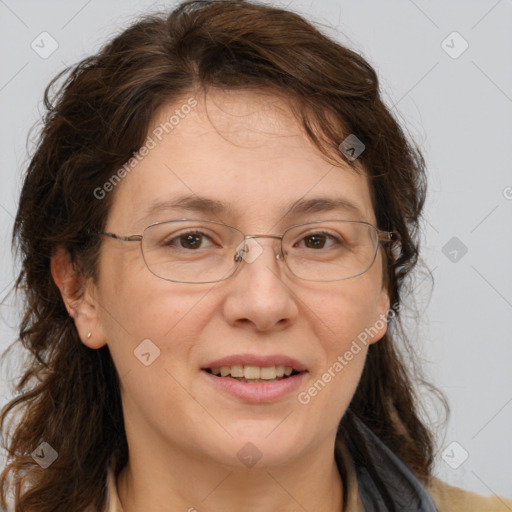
[[382, 237]]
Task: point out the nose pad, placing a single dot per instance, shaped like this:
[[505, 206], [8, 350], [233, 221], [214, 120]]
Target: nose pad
[[253, 250], [249, 250]]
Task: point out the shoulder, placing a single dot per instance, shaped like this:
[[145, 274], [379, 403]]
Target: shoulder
[[454, 499]]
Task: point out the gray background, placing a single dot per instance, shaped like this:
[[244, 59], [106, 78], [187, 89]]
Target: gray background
[[460, 112]]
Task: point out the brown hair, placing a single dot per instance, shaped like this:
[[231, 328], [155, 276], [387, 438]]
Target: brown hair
[[95, 121]]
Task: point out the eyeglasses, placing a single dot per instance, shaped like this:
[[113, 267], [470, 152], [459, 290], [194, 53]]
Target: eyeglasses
[[205, 251]]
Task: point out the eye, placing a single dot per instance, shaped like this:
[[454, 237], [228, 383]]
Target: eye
[[319, 240], [191, 240]]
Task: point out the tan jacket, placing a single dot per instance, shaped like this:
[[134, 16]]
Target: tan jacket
[[446, 497]]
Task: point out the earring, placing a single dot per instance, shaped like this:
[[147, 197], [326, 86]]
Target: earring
[[89, 334]]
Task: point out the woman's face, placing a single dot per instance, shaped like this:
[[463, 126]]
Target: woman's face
[[248, 155]]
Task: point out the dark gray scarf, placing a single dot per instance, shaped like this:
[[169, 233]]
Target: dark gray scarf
[[385, 483]]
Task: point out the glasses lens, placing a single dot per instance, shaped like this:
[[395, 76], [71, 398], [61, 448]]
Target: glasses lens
[[330, 250], [192, 251]]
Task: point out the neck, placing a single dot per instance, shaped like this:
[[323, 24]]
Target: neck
[[177, 482]]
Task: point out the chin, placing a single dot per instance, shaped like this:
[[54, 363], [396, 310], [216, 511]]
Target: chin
[[266, 444]]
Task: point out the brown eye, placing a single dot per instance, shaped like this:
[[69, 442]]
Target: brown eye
[[318, 241], [315, 241], [191, 241]]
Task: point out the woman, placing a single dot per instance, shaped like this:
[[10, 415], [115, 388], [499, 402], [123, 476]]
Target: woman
[[215, 230]]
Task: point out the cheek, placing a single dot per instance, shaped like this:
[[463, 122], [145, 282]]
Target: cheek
[[151, 329], [345, 320], [345, 312], [136, 306], [344, 345]]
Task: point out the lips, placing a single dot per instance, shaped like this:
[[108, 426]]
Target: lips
[[251, 373], [253, 360], [254, 378], [255, 368]]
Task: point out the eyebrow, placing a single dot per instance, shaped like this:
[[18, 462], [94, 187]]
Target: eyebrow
[[322, 204], [192, 203], [206, 205]]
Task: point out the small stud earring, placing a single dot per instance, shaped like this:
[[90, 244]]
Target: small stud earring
[[89, 334]]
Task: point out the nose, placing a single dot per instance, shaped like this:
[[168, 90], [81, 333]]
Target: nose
[[258, 295]]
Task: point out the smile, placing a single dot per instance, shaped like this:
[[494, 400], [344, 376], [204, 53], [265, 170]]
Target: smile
[[251, 373], [255, 379]]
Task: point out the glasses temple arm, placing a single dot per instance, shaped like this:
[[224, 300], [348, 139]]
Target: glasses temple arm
[[388, 236], [131, 238]]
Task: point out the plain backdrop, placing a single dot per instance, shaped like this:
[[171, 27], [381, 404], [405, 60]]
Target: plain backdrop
[[446, 70]]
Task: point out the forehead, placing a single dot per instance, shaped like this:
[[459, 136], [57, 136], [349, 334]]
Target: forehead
[[243, 155]]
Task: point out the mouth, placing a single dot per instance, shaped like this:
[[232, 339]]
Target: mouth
[[254, 379], [254, 374]]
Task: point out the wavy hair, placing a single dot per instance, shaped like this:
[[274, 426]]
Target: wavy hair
[[97, 115]]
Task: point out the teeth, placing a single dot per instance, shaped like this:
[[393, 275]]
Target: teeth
[[253, 372], [268, 373], [237, 371]]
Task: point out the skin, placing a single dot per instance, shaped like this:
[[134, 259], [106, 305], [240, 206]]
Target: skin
[[247, 150]]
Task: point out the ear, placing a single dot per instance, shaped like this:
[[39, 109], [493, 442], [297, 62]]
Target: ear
[[78, 294], [380, 325]]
